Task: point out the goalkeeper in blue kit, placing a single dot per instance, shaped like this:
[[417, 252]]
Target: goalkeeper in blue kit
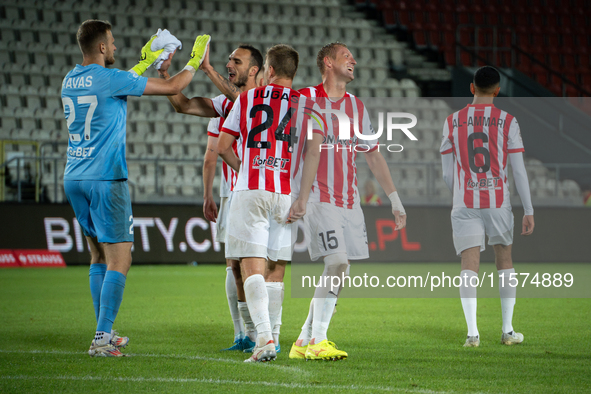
[[95, 180]]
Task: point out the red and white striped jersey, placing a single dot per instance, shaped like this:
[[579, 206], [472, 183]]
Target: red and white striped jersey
[[229, 176], [222, 105], [336, 179], [265, 121], [481, 137]]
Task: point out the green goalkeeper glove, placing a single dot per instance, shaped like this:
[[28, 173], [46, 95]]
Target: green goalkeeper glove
[[199, 48], [147, 57]]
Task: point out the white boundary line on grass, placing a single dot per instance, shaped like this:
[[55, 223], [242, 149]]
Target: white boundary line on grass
[[223, 381], [211, 381], [287, 368]]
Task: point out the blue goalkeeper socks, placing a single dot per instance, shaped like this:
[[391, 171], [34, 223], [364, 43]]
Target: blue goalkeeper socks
[[111, 296], [96, 275]]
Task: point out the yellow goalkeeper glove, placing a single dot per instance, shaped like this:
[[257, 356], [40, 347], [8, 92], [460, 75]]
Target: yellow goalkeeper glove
[[147, 57], [199, 48]]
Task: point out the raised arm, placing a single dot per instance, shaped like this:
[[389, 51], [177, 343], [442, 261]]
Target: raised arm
[[172, 86], [197, 106], [227, 88]]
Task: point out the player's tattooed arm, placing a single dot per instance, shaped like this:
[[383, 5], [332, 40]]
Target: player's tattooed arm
[[198, 106], [227, 88]]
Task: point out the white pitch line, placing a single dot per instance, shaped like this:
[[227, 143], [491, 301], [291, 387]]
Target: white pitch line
[[223, 381], [287, 368]]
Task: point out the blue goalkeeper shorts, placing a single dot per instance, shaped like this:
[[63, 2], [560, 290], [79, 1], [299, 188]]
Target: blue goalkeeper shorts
[[102, 208]]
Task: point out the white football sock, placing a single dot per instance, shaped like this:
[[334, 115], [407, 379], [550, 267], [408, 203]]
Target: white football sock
[[469, 303], [306, 333], [277, 328], [507, 294], [257, 300], [323, 309], [102, 338], [325, 297], [250, 331], [275, 292], [232, 296]]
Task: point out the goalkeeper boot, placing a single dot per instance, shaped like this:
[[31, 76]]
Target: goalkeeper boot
[[117, 341], [298, 351], [325, 350], [108, 350], [511, 338], [263, 354], [472, 341]]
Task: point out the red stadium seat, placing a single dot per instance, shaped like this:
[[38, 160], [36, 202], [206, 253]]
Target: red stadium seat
[[462, 15], [449, 36], [568, 61], [434, 36], [448, 14], [535, 17], [567, 41], [553, 40], [586, 80], [403, 17], [476, 14], [419, 37], [556, 89], [553, 59], [491, 15], [507, 16], [450, 57], [584, 63], [572, 91]]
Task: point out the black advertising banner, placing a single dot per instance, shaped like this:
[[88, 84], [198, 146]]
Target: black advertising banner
[[179, 234]]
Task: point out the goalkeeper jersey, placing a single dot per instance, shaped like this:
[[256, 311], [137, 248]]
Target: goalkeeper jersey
[[95, 107]]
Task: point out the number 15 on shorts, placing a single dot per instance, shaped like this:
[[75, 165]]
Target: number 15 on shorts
[[329, 240]]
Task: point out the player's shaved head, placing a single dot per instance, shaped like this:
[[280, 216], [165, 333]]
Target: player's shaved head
[[256, 57], [486, 79], [284, 60], [90, 33], [329, 50]]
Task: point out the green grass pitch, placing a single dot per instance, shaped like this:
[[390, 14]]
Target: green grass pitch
[[178, 320]]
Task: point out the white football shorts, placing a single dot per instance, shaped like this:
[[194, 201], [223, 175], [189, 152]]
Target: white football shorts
[[470, 225], [256, 226], [222, 220], [330, 229]]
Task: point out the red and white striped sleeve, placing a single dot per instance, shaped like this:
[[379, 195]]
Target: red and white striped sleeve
[[213, 127], [232, 122], [221, 105]]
